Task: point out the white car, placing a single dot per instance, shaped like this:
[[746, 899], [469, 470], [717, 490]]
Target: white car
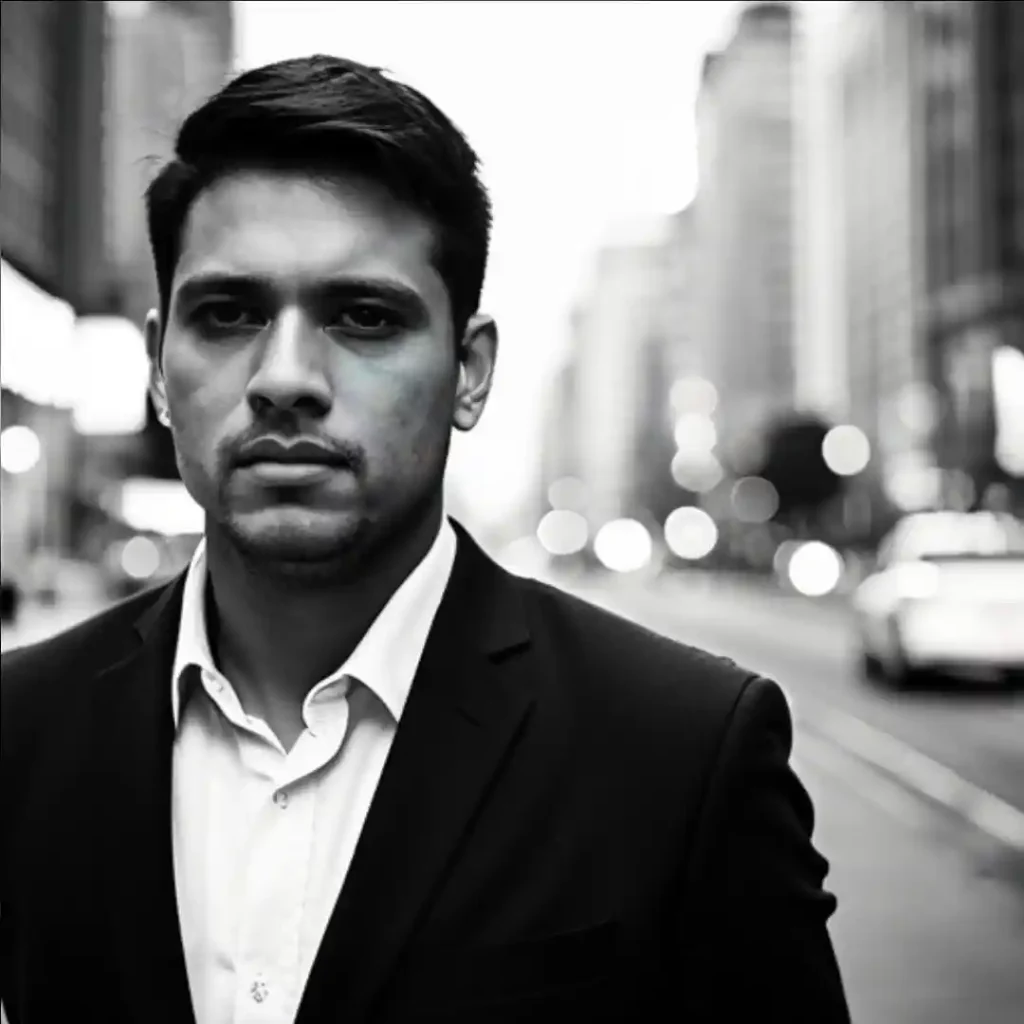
[[947, 594]]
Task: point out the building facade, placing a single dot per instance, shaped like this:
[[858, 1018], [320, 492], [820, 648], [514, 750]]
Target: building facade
[[932, 239], [890, 385], [972, 85], [54, 265], [90, 90], [597, 410], [820, 329], [745, 223]]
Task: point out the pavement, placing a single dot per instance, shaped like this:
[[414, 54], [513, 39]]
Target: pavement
[[919, 797]]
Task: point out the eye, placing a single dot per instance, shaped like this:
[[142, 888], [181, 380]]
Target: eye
[[223, 316], [367, 319]]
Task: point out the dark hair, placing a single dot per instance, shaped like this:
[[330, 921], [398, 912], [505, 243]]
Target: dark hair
[[331, 116]]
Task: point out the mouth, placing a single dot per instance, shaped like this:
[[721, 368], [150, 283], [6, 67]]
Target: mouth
[[279, 461], [284, 473]]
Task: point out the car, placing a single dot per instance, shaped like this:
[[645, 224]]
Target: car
[[946, 594]]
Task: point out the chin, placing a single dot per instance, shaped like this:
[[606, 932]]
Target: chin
[[301, 540]]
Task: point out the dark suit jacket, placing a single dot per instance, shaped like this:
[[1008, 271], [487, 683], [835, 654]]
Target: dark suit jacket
[[578, 820]]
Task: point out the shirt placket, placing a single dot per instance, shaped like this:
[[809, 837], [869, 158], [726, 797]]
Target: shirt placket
[[276, 882]]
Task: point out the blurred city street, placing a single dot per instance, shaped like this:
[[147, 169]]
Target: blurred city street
[[931, 891]]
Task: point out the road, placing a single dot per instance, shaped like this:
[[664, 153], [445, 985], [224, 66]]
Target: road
[[930, 925]]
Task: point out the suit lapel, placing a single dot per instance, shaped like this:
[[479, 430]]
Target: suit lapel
[[133, 830], [466, 706]]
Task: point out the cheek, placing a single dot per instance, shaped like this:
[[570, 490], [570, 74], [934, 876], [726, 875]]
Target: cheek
[[413, 425], [200, 411]]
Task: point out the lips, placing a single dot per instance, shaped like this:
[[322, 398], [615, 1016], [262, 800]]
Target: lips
[[302, 452]]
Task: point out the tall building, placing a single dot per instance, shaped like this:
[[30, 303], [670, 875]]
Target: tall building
[[882, 136], [820, 343], [972, 110], [52, 117], [165, 58], [932, 243], [53, 266], [745, 222], [598, 409], [673, 354]]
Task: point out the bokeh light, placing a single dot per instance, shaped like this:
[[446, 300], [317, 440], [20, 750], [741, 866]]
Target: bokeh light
[[754, 500], [697, 474], [140, 558], [815, 569], [20, 449], [695, 434], [691, 533], [1008, 409], [847, 450], [563, 532], [694, 395], [623, 545]]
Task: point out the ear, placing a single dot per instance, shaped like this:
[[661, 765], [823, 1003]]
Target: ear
[[154, 348], [478, 353]]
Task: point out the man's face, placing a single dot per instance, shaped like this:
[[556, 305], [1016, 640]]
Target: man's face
[[308, 366]]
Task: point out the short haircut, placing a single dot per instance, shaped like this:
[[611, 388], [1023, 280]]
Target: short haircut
[[331, 117]]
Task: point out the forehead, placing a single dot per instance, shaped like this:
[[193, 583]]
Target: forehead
[[292, 228]]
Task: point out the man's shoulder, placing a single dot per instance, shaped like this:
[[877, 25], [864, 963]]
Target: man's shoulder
[[627, 664], [50, 669]]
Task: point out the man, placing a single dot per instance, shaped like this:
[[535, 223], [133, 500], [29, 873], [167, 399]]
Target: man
[[346, 768]]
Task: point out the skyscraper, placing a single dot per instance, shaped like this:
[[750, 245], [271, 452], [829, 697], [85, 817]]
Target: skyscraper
[[882, 252], [53, 258], [820, 348], [972, 109], [745, 222]]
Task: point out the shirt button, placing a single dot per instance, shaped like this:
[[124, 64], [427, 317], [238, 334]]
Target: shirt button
[[281, 799]]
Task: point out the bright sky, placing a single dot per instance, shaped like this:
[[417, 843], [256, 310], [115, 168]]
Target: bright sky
[[582, 114]]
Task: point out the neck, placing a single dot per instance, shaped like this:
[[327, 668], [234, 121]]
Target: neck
[[275, 637]]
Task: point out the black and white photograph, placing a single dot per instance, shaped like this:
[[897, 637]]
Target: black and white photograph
[[512, 512]]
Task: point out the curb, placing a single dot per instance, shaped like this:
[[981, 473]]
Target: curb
[[916, 772]]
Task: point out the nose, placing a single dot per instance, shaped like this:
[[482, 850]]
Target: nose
[[291, 375]]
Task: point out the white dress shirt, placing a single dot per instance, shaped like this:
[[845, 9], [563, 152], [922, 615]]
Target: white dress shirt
[[263, 838]]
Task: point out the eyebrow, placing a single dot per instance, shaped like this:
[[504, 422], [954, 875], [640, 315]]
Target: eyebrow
[[385, 289]]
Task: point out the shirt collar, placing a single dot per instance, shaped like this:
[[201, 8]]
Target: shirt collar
[[386, 658]]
